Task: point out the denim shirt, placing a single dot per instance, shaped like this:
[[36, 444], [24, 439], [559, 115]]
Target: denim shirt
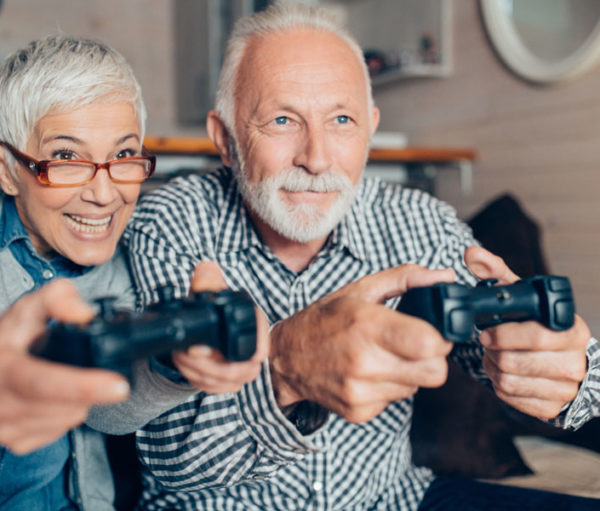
[[14, 236], [35, 480]]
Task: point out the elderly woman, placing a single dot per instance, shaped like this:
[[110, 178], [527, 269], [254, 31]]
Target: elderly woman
[[71, 163]]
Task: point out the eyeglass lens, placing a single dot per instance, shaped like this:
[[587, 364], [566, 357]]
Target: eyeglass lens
[[72, 172]]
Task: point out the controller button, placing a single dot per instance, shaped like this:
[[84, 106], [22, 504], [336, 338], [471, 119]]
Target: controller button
[[559, 284], [564, 312], [460, 322], [455, 291]]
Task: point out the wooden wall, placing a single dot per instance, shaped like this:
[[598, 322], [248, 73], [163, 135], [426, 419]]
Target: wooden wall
[[142, 30], [542, 144]]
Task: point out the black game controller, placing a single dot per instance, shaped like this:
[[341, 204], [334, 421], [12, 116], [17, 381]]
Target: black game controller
[[223, 320], [454, 308]]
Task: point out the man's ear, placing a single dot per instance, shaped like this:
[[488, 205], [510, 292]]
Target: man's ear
[[219, 134], [375, 117], [7, 180]]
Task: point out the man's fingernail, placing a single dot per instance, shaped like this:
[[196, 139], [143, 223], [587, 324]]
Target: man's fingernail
[[484, 339], [200, 350]]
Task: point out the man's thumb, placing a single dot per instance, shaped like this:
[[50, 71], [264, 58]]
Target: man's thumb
[[208, 277]]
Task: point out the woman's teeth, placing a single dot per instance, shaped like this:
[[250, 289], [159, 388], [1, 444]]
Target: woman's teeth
[[91, 225]]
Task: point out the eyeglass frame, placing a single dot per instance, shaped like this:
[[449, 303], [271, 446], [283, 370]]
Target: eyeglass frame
[[40, 167]]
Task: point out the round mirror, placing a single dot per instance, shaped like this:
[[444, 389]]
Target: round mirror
[[544, 41]]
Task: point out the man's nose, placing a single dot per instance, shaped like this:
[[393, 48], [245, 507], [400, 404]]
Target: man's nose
[[313, 152]]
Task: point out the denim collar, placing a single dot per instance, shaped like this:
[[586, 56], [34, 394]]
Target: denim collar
[[14, 236]]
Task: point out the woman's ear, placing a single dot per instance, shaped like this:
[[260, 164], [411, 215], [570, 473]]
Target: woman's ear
[[7, 180], [219, 134]]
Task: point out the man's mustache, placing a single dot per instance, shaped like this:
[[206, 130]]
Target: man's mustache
[[299, 180]]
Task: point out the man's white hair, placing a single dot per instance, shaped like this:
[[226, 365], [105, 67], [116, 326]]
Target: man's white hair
[[279, 17], [61, 73]]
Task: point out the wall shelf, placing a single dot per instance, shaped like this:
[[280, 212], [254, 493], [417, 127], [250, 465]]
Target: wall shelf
[[409, 38]]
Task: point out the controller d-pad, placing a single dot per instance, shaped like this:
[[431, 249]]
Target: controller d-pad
[[563, 313], [460, 323]]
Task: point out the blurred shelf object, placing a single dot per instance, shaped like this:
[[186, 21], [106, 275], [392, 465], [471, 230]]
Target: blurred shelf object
[[401, 38]]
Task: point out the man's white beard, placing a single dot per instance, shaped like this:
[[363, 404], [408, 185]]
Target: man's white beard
[[296, 222]]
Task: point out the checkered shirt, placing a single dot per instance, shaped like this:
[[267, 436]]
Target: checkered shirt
[[237, 451]]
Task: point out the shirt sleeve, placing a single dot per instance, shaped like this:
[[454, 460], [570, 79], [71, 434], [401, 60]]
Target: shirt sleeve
[[151, 396], [156, 263], [218, 440], [586, 404]]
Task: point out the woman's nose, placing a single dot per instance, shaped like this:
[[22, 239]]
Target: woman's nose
[[101, 189]]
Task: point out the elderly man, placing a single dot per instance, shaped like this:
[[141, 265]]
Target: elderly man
[[322, 251]]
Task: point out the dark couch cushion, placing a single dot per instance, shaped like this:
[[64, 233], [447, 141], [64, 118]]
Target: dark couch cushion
[[462, 429]]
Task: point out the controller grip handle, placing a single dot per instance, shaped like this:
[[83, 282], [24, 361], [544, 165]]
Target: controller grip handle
[[547, 299]]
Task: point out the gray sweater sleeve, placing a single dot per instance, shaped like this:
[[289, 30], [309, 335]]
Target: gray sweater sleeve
[[151, 396]]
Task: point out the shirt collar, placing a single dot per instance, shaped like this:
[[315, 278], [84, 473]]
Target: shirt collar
[[14, 235], [11, 227]]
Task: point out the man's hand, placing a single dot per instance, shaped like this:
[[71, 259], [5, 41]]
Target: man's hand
[[40, 400], [204, 367], [534, 369], [352, 355]]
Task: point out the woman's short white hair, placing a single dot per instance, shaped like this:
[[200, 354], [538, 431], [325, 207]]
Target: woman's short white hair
[[61, 73], [278, 17]]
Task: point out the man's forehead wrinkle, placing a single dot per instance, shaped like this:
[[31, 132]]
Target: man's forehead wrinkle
[[282, 82]]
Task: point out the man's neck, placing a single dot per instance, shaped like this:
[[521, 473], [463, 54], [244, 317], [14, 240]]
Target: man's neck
[[295, 255]]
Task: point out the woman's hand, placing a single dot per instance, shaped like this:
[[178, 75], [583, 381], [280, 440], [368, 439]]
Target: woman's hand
[[205, 367], [41, 400]]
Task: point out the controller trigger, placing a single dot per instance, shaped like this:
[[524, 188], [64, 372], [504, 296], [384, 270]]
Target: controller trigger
[[487, 283]]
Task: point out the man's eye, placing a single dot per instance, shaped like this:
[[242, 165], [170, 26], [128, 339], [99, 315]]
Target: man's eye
[[342, 119], [281, 120]]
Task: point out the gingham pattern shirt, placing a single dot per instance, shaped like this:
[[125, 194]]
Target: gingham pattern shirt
[[238, 451]]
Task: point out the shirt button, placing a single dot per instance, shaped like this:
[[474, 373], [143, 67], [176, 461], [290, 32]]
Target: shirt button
[[317, 485], [47, 274]]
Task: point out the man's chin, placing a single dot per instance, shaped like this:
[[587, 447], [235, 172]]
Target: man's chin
[[303, 230], [321, 200]]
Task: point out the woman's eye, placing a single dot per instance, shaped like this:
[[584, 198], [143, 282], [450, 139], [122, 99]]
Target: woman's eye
[[282, 120], [63, 154], [125, 153], [342, 119]]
